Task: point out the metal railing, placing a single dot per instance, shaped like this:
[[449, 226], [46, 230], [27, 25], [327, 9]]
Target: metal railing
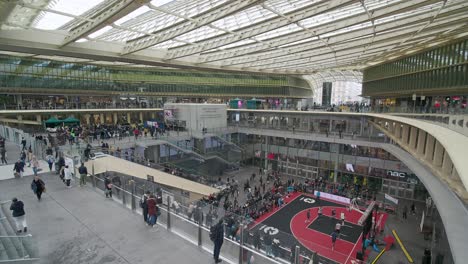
[[194, 226]]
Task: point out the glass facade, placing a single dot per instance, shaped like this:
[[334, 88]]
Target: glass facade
[[29, 75], [440, 70]]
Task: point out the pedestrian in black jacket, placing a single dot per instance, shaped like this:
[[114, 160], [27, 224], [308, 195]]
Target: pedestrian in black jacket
[[19, 215], [218, 240], [83, 174], [38, 187], [18, 168]]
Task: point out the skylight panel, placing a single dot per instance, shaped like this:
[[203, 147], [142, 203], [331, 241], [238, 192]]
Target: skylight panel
[[52, 21], [168, 44], [134, 14], [99, 32], [161, 2], [75, 7]]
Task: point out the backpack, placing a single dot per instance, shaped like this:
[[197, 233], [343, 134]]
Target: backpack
[[212, 233]]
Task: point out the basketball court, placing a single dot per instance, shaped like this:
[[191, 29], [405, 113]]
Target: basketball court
[[290, 227]]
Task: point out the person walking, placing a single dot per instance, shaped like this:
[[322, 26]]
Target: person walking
[[67, 176], [333, 235], [144, 205], [38, 187], [23, 143], [308, 216], [35, 165], [218, 239], [83, 174], [268, 241], [319, 212], [405, 212], [50, 161], [18, 214], [18, 168], [3, 154], [151, 202], [30, 156]]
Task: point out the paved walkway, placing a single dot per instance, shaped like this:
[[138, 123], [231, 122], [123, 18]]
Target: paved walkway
[[13, 153], [79, 225]]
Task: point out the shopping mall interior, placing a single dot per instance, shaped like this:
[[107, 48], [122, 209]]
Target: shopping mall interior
[[236, 131]]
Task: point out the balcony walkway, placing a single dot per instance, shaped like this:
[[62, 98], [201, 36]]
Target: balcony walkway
[[79, 225]]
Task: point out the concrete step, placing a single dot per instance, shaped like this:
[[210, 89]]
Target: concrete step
[[7, 242], [24, 245]]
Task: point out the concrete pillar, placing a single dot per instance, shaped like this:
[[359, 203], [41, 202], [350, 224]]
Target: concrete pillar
[[397, 131], [447, 164], [421, 142], [129, 118], [413, 137], [38, 118], [20, 117], [101, 118], [141, 117], [438, 154], [153, 115], [391, 129], [115, 118], [430, 145], [405, 134]]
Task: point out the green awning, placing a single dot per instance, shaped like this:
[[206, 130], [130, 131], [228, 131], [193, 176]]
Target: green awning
[[70, 119], [53, 120]]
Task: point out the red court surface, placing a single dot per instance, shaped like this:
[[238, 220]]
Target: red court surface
[[295, 212]]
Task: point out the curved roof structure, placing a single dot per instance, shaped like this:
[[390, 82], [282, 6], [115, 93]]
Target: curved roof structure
[[305, 37]]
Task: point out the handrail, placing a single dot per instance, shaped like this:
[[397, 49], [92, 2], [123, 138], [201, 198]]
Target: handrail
[[28, 235]]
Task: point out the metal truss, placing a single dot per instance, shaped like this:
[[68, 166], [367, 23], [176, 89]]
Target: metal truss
[[267, 36], [334, 25], [279, 21], [191, 23], [118, 9]]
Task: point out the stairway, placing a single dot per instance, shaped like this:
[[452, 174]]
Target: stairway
[[13, 247]]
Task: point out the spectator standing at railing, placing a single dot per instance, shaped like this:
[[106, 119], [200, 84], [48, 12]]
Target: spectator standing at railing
[[152, 210], [144, 205], [217, 237], [3, 155], [108, 187], [83, 174]]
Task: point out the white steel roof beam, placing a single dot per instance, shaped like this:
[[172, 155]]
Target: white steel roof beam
[[188, 25], [251, 31], [6, 8], [119, 9], [345, 37], [321, 29], [384, 39]]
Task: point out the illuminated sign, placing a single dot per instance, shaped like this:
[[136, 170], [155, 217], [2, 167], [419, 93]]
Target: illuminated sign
[[396, 174]]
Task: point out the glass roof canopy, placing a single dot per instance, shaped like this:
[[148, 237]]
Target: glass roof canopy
[[322, 39]]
